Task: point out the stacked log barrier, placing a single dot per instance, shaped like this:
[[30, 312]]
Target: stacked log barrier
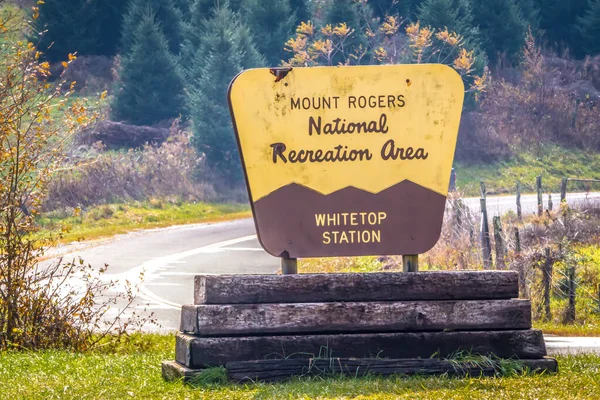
[[272, 327]]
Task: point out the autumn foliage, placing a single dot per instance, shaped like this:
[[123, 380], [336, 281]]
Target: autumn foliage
[[39, 306]]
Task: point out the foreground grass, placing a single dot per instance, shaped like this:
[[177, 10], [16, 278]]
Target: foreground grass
[[133, 371], [107, 220], [550, 161]]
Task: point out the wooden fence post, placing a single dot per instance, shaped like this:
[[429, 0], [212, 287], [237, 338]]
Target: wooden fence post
[[486, 246], [570, 317], [452, 187], [519, 209], [410, 263], [563, 190], [547, 284], [540, 200], [550, 205], [523, 289], [500, 248]]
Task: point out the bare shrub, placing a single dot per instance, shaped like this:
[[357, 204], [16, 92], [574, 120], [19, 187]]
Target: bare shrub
[[93, 74], [117, 135], [138, 174], [41, 305], [551, 100], [459, 244]]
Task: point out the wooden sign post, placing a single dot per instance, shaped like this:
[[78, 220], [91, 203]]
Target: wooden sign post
[[347, 161]]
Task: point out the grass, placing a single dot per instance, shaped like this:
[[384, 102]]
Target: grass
[[133, 371], [550, 161], [108, 220]]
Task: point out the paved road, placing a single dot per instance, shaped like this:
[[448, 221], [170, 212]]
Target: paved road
[[169, 258]]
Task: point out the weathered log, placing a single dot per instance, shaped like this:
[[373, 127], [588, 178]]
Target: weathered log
[[278, 370], [259, 319], [304, 288], [201, 352], [118, 134]]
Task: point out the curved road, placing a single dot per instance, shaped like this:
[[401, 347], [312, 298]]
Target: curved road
[[169, 258]]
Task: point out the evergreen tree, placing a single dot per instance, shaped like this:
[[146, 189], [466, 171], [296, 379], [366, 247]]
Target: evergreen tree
[[407, 9], [166, 15], [107, 24], [271, 23], [558, 19], [531, 14], [183, 6], [226, 48], [339, 11], [150, 87], [301, 10], [589, 27], [502, 27], [83, 26], [452, 14], [356, 15]]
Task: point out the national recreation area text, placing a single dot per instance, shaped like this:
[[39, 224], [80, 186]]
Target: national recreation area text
[[318, 126]]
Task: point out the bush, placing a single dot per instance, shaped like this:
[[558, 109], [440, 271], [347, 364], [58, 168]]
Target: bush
[[41, 305], [151, 171], [551, 100]]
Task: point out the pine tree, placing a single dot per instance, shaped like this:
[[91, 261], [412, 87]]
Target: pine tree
[[226, 48], [150, 87], [407, 9], [558, 19], [502, 27], [271, 23], [452, 14], [183, 6], [531, 14], [82, 26], [589, 28], [356, 15], [107, 24], [166, 14], [301, 10]]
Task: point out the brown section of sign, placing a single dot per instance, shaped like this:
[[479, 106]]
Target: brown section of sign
[[297, 222]]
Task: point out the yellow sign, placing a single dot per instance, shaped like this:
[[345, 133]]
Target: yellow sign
[[327, 130]]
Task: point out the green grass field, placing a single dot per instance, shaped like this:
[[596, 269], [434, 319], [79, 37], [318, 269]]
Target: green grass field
[[133, 372], [112, 219], [550, 161]]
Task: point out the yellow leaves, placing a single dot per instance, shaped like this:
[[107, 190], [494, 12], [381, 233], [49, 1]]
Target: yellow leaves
[[342, 30], [36, 12], [322, 46], [450, 38], [103, 95], [72, 57], [297, 44], [463, 63], [327, 30], [419, 38], [381, 54], [306, 28], [390, 26]]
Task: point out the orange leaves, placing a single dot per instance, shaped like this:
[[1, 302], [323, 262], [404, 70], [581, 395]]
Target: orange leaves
[[464, 62], [312, 46], [390, 26], [420, 39], [450, 38], [306, 28]]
